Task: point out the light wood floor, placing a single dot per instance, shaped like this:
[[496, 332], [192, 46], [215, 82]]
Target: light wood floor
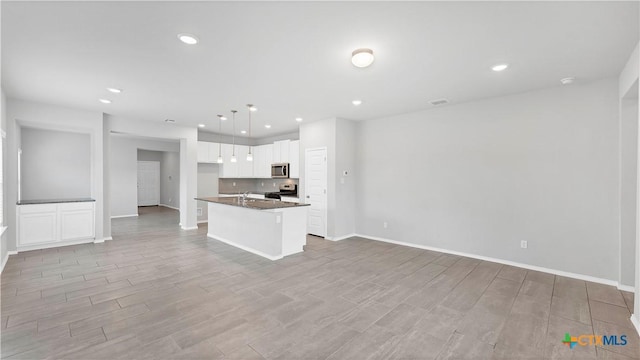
[[157, 292]]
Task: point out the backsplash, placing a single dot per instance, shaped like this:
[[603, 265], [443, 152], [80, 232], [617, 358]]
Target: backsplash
[[226, 186]]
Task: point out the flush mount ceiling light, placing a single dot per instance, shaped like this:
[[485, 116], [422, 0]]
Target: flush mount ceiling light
[[268, 126], [356, 102], [499, 67], [105, 101], [567, 80], [299, 119], [362, 57], [188, 39], [200, 125], [114, 90]]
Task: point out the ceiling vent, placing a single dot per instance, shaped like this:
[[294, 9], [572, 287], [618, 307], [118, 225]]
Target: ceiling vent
[[169, 120], [439, 102]]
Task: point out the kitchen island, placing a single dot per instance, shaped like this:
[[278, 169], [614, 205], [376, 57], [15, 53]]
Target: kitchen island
[[270, 228]]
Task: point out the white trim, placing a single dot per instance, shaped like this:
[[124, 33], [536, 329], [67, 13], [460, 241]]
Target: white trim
[[170, 207], [202, 221], [499, 261], [2, 229], [189, 228], [338, 238], [3, 134], [123, 216], [56, 244], [636, 324], [12, 252], [101, 240], [4, 261], [628, 288], [253, 251]]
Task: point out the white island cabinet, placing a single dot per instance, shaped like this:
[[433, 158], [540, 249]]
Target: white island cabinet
[[50, 223], [269, 228]]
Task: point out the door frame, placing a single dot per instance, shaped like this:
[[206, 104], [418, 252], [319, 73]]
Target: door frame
[[159, 181], [326, 195]]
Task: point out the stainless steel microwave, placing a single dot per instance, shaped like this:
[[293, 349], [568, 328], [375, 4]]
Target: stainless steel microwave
[[280, 171]]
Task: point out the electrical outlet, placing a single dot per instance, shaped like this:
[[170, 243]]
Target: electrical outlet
[[523, 244], [384, 224], [234, 183], [341, 180], [170, 200], [262, 184], [274, 184]]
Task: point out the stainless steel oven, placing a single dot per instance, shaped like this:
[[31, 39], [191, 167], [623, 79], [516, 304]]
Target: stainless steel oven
[[280, 171]]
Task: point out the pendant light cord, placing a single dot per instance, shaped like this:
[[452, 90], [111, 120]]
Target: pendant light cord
[[234, 132]]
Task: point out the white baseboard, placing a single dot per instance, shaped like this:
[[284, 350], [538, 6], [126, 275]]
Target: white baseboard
[[56, 244], [202, 221], [259, 253], [626, 288], [636, 324], [338, 238], [101, 240], [189, 228], [4, 262], [123, 216], [505, 262], [169, 206], [12, 252]]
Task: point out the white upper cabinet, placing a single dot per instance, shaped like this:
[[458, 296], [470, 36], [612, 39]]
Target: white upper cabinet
[[285, 151], [281, 151], [294, 159], [207, 152], [245, 168], [229, 169]]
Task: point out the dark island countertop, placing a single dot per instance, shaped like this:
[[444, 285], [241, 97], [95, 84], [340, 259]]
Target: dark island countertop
[[53, 201], [257, 204], [240, 193]]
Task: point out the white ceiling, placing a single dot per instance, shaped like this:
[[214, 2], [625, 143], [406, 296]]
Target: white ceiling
[[293, 59]]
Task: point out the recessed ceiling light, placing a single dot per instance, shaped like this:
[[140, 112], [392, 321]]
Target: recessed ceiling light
[[356, 102], [105, 101], [114, 90], [243, 131], [201, 125], [499, 67], [567, 80], [299, 119], [362, 57], [268, 126], [188, 39]]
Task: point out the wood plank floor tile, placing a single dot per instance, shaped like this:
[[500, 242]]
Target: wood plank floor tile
[[158, 292]]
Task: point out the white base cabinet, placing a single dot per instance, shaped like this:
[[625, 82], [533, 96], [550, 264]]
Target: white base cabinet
[[48, 225]]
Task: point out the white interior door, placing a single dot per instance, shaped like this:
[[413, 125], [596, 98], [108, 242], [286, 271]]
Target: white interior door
[[316, 190], [148, 183]]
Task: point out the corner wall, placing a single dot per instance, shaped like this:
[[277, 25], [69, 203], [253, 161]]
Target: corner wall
[[481, 177]]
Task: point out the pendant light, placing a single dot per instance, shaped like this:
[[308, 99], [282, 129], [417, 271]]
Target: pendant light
[[250, 155], [233, 155], [220, 159]]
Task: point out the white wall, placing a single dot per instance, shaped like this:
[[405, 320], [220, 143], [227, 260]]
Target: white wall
[[3, 129], [170, 179], [188, 138], [30, 114], [55, 164], [124, 172], [339, 137], [480, 177], [628, 187], [208, 175]]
